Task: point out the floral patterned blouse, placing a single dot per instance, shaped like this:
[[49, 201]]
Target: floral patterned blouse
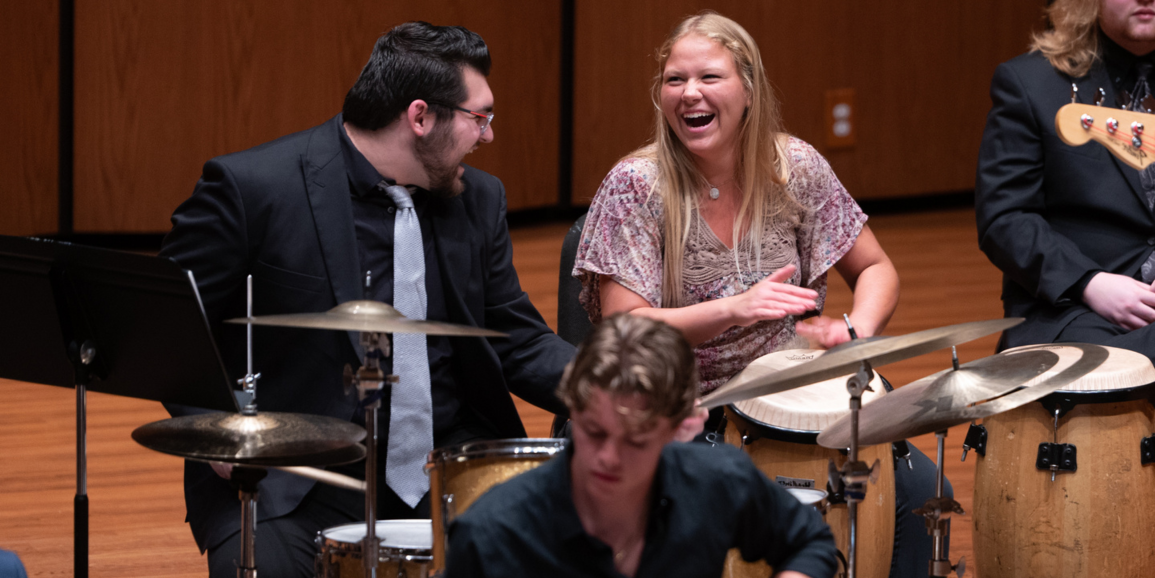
[[622, 239]]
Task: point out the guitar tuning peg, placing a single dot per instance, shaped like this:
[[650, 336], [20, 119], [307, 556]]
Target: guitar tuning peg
[[1100, 97], [1123, 99], [1074, 93]]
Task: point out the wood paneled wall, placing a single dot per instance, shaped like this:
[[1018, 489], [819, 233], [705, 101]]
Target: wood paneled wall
[[163, 86], [920, 71], [28, 88]]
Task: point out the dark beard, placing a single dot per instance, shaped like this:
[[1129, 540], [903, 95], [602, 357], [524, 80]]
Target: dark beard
[[430, 151]]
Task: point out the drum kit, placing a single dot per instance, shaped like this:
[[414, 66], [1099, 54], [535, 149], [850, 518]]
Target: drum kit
[[785, 418]]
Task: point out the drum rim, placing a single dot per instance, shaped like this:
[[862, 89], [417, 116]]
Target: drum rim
[[1064, 400], [527, 447], [777, 433], [330, 544]]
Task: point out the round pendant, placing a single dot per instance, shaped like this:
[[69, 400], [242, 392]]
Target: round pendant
[[714, 194]]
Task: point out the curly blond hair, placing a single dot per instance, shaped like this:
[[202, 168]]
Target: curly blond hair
[[632, 355]]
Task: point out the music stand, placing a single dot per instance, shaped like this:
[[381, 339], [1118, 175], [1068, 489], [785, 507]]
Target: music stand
[[112, 322]]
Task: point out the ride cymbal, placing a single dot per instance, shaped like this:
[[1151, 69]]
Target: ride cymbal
[[845, 359], [366, 316], [975, 390], [264, 439]]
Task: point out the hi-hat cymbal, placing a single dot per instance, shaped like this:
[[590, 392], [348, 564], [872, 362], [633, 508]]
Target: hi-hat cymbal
[[975, 390], [371, 316], [845, 359], [264, 439]]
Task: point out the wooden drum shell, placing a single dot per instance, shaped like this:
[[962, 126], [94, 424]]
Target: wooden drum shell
[[1095, 521], [458, 475], [809, 461]]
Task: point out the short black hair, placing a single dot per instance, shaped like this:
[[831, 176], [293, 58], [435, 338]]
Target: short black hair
[[415, 60]]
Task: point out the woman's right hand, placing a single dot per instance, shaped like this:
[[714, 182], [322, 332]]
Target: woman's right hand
[[772, 298]]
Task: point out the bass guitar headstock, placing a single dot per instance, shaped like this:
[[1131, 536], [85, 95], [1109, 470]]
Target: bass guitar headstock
[[1121, 131]]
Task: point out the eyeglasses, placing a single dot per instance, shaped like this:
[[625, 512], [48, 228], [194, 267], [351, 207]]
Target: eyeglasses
[[484, 117]]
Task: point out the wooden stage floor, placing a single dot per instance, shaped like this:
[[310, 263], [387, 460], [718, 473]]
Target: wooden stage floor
[[137, 504]]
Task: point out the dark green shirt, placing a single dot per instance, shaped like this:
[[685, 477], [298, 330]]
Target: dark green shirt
[[707, 500]]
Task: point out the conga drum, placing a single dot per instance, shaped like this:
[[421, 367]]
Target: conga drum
[[1097, 517], [460, 474], [780, 433]]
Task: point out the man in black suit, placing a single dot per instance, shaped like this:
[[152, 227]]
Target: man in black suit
[[1071, 228], [311, 216]]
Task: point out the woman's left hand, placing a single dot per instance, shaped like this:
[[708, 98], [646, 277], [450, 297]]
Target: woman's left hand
[[824, 332]]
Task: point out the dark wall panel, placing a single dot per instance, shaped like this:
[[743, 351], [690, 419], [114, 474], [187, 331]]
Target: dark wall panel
[[920, 72], [164, 86], [28, 67]]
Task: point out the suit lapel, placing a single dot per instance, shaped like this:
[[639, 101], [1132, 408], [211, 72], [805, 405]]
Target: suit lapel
[[327, 185], [1088, 92]]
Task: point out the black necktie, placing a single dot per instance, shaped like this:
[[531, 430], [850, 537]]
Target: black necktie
[[1141, 98]]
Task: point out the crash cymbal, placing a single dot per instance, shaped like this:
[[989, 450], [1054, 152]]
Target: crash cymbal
[[264, 439], [845, 359], [372, 316], [975, 390]]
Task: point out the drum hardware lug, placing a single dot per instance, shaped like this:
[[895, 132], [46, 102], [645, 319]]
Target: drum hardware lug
[[976, 440], [1147, 450], [448, 509], [902, 452], [714, 439], [1057, 457], [835, 489]]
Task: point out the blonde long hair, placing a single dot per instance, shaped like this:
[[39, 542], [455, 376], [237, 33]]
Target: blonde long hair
[[763, 167], [1072, 45]]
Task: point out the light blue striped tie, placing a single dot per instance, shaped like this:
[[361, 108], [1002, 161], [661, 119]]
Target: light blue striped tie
[[411, 406]]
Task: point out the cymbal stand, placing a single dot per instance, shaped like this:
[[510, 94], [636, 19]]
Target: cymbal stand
[[243, 478], [938, 510], [851, 479], [81, 356], [372, 386]]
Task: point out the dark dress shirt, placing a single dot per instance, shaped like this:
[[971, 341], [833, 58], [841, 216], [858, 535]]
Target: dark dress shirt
[[373, 217], [707, 500]]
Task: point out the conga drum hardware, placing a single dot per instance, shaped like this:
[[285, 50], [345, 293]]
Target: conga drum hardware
[[976, 440], [1147, 450], [1092, 520]]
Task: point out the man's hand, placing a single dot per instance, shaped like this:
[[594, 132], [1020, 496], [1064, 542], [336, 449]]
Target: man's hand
[[1124, 301], [824, 332], [692, 425], [222, 469], [772, 298]]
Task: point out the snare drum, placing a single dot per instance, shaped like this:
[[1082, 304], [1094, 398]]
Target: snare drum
[[780, 433], [460, 474], [406, 550], [1093, 520]]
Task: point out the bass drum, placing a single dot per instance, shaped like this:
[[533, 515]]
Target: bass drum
[[780, 433], [460, 474], [1094, 520]]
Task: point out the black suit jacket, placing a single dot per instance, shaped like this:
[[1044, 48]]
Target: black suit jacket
[[1049, 214], [282, 212]]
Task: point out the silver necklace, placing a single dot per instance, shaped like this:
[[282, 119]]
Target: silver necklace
[[714, 194]]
